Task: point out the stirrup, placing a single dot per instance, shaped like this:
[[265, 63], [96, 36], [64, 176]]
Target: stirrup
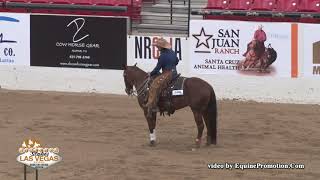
[[155, 109], [144, 105]]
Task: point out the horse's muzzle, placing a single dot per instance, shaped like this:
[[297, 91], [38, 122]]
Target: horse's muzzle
[[129, 91]]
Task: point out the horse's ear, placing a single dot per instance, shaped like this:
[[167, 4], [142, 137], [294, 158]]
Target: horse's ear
[[124, 66], [135, 64]]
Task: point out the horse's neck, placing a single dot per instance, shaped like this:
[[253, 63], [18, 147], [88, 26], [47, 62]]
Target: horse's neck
[[139, 79]]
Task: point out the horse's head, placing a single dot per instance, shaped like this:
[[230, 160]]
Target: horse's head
[[254, 44], [129, 78]]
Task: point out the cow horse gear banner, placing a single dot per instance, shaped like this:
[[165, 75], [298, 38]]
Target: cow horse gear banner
[[78, 41]]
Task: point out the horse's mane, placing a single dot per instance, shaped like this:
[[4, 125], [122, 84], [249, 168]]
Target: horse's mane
[[137, 73], [138, 70]]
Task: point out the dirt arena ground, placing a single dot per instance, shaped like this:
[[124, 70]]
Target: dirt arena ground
[[105, 137]]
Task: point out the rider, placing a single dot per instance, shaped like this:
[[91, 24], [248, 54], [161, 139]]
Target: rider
[[167, 62], [261, 37]]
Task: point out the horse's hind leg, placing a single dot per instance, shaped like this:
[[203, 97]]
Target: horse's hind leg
[[209, 129], [211, 125], [199, 121]]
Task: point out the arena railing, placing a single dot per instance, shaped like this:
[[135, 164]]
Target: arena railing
[[30, 6], [171, 16], [295, 16]]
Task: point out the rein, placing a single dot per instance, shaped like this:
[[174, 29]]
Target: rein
[[140, 90]]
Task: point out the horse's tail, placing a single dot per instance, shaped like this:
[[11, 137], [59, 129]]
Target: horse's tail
[[272, 56], [212, 115]]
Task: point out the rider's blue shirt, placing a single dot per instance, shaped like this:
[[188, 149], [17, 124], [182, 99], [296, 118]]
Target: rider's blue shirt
[[167, 61]]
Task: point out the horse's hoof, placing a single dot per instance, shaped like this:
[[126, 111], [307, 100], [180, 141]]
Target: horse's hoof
[[196, 146], [208, 141], [211, 141], [198, 143], [152, 143]]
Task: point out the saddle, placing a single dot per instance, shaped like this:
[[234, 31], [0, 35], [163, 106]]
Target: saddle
[[174, 89], [272, 55]]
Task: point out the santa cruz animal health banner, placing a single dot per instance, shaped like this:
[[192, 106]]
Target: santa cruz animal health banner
[[141, 51], [14, 39], [218, 47], [78, 41], [311, 49]]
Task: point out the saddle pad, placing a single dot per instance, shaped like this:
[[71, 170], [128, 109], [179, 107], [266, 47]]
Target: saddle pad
[[177, 86], [177, 92]]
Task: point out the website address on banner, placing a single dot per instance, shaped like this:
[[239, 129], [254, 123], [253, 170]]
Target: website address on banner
[[79, 64], [244, 166], [6, 60]]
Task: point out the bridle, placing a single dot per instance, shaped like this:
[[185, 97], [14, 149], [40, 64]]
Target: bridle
[[142, 87], [140, 90], [129, 91]]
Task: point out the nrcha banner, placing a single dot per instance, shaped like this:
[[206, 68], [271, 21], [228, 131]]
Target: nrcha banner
[[141, 51]]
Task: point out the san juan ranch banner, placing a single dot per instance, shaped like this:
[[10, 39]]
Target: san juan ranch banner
[[219, 47]]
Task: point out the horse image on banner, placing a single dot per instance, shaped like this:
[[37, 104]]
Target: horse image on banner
[[257, 56]]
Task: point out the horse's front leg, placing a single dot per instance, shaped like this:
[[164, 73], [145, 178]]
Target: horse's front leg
[[263, 64], [152, 126]]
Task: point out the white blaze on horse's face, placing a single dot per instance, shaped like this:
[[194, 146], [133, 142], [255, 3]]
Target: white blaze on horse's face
[[127, 84]]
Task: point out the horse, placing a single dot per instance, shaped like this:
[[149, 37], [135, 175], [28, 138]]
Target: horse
[[259, 57], [197, 94], [255, 54]]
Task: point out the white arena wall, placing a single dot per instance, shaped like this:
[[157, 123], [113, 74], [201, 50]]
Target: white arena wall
[[262, 89], [61, 79]]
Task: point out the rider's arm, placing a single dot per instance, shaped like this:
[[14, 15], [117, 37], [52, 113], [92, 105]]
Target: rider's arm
[[157, 68], [264, 36], [177, 60], [256, 34]]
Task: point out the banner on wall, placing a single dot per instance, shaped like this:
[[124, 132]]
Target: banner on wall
[[218, 47], [78, 41], [141, 51], [14, 39], [311, 49]]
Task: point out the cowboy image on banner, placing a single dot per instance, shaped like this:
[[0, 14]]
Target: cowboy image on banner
[[257, 56], [217, 47]]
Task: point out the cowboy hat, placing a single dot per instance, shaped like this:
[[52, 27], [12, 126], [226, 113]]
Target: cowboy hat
[[260, 26], [162, 43]]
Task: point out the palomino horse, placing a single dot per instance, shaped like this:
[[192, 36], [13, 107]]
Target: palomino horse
[[198, 95]]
